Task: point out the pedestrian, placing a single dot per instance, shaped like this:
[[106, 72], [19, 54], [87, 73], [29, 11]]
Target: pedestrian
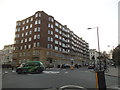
[[115, 65], [76, 65], [12, 67]]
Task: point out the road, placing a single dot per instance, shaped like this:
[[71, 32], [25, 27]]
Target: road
[[54, 78]]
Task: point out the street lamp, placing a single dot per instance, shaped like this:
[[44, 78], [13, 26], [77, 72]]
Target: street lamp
[[98, 45], [100, 77]]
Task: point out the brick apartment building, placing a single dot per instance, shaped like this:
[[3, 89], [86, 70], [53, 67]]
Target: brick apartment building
[[41, 37]]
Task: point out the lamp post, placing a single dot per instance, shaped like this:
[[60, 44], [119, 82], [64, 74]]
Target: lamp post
[[100, 77], [98, 45]]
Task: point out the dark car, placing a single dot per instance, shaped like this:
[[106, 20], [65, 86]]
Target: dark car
[[91, 66], [30, 67], [77, 65], [65, 66]]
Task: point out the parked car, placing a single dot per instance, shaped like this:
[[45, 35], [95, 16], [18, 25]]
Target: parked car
[[65, 66], [77, 65], [30, 67], [91, 66], [86, 64]]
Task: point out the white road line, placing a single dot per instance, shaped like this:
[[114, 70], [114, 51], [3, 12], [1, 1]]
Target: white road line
[[51, 72], [66, 72]]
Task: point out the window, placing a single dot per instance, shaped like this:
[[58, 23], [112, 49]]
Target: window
[[25, 47], [34, 36], [68, 40], [63, 29], [35, 29], [23, 22], [51, 32], [60, 32], [26, 33], [68, 35], [51, 39], [51, 19], [38, 44], [30, 38], [38, 29], [27, 27], [56, 42], [36, 15], [49, 46], [38, 36], [39, 14], [59, 43], [29, 46], [23, 28], [18, 29], [21, 48], [60, 26], [51, 26], [26, 40], [22, 34], [30, 32], [19, 23], [56, 24], [21, 41], [48, 38], [30, 25], [37, 22], [34, 45], [56, 48], [56, 35], [27, 21], [60, 37], [56, 29], [60, 49], [31, 19], [48, 31]]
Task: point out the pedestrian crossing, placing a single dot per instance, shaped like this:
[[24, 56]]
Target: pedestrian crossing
[[63, 71]]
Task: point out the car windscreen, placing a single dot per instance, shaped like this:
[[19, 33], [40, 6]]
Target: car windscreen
[[31, 64]]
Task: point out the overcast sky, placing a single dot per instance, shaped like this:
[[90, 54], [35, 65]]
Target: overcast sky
[[78, 15]]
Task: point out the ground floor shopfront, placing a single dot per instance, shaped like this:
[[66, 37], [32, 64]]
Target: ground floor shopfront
[[49, 57]]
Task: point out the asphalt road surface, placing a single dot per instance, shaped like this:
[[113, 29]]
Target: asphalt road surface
[[54, 78]]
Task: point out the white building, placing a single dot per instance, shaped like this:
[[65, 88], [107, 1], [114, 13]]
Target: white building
[[8, 53], [1, 56], [93, 56]]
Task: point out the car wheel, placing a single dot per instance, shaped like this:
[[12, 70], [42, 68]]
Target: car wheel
[[19, 71], [38, 71]]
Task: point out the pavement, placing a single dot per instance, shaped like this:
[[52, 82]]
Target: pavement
[[113, 71]]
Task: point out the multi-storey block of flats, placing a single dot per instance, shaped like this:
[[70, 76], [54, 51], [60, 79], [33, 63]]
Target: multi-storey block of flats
[[40, 37]]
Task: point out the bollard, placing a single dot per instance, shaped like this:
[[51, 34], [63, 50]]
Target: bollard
[[100, 80]]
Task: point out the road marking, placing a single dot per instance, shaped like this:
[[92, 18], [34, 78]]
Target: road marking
[[52, 72], [13, 71], [66, 72]]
